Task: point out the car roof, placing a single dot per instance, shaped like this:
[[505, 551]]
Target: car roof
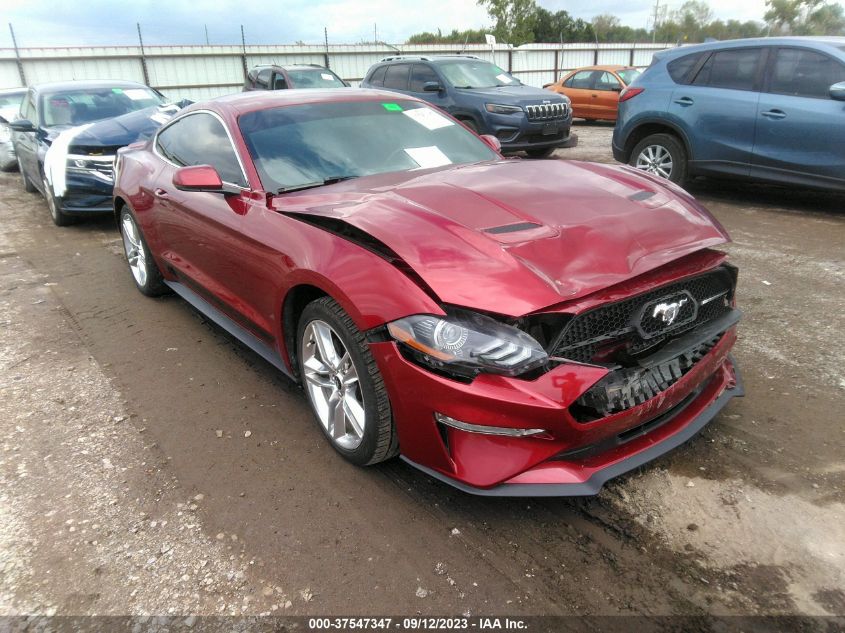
[[57, 86], [292, 67], [242, 102], [823, 41], [611, 67]]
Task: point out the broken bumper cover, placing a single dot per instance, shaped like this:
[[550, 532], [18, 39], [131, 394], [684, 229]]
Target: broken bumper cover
[[593, 484], [573, 458]]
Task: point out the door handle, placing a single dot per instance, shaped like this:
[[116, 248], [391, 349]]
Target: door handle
[[684, 101], [595, 96], [774, 114], [161, 193]]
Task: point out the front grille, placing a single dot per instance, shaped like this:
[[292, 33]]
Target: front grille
[[626, 388], [612, 333], [546, 111]]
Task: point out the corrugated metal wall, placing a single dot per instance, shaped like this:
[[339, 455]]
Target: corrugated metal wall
[[203, 72]]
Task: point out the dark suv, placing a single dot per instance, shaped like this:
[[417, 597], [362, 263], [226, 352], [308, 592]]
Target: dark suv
[[298, 76], [484, 97]]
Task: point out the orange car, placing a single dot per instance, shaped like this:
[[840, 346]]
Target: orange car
[[594, 90]]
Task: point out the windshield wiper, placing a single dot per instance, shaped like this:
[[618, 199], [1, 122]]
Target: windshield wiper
[[310, 185]]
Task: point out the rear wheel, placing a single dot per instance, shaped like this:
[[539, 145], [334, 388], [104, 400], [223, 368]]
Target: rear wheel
[[662, 155], [540, 153], [144, 270], [344, 385], [60, 218], [25, 181]]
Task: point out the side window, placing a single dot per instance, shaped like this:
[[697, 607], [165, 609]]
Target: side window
[[396, 77], [200, 139], [733, 68], [804, 73], [279, 82], [377, 78], [606, 81], [582, 80], [263, 79], [421, 74], [679, 69]]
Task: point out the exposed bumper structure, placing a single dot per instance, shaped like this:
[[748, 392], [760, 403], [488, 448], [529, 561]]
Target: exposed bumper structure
[[573, 458]]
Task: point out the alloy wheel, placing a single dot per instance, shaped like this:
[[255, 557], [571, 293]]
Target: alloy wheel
[[134, 249], [655, 159], [331, 380]]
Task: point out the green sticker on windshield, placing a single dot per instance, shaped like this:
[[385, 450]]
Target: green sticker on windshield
[[117, 91], [392, 107]]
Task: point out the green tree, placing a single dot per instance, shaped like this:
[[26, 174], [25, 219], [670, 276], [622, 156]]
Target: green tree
[[805, 17], [470, 36], [551, 27], [514, 19]]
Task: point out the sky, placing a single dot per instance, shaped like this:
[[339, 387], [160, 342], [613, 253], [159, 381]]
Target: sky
[[107, 22]]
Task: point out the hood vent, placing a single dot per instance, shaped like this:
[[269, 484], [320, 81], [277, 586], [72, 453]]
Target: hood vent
[[513, 228]]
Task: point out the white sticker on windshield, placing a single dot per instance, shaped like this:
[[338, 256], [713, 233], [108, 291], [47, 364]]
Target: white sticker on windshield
[[428, 118], [428, 156], [504, 78], [327, 76], [136, 94]]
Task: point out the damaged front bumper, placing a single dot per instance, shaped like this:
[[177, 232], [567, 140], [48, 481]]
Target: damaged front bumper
[[574, 457]]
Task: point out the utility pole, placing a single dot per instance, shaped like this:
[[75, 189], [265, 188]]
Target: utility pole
[[18, 57], [375, 33], [654, 21], [206, 34], [326, 40], [144, 68]]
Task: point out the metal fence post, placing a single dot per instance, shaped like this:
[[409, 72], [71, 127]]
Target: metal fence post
[[143, 57], [18, 56]]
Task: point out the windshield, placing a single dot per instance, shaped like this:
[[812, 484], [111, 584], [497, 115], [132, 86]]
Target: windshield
[[474, 73], [75, 107], [299, 145], [314, 78], [11, 99], [628, 75]]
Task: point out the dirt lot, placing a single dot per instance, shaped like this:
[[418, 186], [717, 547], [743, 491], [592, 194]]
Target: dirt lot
[[150, 465]]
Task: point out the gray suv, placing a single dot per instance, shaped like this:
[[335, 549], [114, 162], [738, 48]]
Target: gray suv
[[484, 97]]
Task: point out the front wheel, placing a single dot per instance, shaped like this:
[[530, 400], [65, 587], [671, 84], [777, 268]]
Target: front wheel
[[344, 385], [60, 218], [662, 155]]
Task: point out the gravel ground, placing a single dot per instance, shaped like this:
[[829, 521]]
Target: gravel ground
[[151, 465]]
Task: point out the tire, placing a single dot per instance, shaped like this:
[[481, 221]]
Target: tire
[[540, 153], [655, 152], [27, 183], [471, 125], [59, 217], [363, 433], [142, 266]]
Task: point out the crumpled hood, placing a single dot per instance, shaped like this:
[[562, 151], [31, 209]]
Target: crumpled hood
[[128, 128], [512, 236]]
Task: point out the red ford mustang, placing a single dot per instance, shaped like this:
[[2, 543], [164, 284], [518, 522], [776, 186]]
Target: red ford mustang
[[511, 327]]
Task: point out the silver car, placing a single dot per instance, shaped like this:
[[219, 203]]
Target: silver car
[[10, 105]]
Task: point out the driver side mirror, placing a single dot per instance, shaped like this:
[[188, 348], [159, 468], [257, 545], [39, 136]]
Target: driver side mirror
[[201, 178], [492, 142], [22, 125], [432, 86], [837, 91]]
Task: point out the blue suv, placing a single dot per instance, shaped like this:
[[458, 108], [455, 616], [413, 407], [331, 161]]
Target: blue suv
[[484, 97], [765, 109]]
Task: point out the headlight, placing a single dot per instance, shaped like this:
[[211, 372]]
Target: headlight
[[496, 108], [465, 344]]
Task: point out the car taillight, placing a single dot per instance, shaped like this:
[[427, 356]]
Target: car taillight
[[629, 93]]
